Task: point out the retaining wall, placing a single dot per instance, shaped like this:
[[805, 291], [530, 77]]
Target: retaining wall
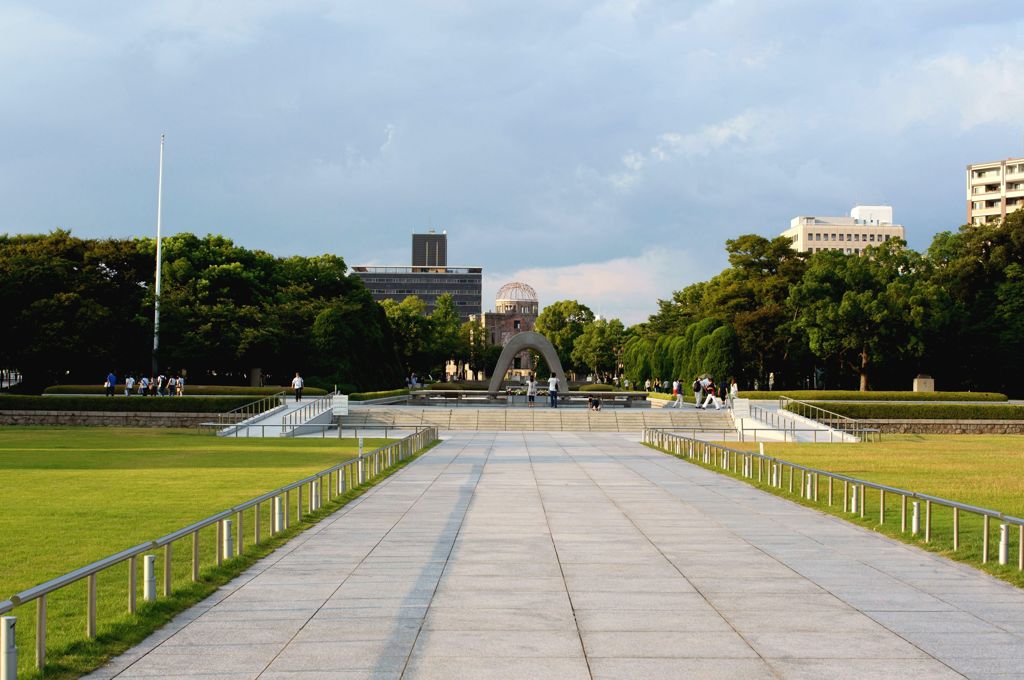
[[105, 418], [946, 426]]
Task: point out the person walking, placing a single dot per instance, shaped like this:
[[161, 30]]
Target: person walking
[[297, 385], [531, 390], [647, 385], [712, 398], [553, 390], [734, 392], [110, 384], [677, 388], [172, 386], [143, 386], [698, 389], [181, 386], [129, 383]]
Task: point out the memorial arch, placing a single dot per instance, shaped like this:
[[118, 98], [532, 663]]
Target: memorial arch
[[521, 342]]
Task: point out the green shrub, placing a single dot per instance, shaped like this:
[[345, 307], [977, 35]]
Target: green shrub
[[598, 387], [895, 411], [449, 386], [205, 390], [122, 403], [660, 395], [366, 396], [853, 395]]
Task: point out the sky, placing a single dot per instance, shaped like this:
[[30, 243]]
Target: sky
[[600, 151]]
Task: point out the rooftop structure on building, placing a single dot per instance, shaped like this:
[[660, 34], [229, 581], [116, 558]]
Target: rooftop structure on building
[[867, 225], [428, 278], [994, 189]]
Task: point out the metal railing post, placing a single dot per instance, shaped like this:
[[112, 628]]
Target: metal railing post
[[984, 539], [132, 585], [915, 519], [8, 648], [90, 619], [41, 632], [1004, 544], [228, 544], [149, 578], [195, 556], [956, 529]]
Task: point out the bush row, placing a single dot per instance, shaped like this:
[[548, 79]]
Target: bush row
[[853, 395], [924, 411], [227, 390], [366, 396], [122, 403]]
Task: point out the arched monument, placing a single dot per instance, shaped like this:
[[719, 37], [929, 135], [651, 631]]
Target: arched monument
[[521, 342]]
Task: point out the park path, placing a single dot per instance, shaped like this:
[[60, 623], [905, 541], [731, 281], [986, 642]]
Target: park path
[[584, 555]]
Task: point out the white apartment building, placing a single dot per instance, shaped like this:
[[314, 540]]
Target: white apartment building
[[867, 225], [994, 189]]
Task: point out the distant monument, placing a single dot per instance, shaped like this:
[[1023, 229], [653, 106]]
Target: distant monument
[[521, 342]]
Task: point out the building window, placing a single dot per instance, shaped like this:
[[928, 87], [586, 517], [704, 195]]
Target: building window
[[887, 237], [833, 236], [871, 237]]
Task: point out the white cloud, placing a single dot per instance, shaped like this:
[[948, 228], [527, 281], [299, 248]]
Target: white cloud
[[627, 288]]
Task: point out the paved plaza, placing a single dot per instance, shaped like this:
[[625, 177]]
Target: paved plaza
[[585, 555]]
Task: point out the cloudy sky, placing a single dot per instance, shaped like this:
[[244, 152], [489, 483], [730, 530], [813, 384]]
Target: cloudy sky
[[596, 150]]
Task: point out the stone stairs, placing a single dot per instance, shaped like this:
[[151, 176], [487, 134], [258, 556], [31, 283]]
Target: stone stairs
[[539, 419]]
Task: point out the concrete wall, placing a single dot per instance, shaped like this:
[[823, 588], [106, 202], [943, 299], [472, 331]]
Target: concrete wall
[[946, 426], [105, 418]]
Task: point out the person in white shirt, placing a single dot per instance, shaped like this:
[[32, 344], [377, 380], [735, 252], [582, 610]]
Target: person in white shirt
[[531, 390], [129, 383], [553, 390], [677, 389], [297, 386]]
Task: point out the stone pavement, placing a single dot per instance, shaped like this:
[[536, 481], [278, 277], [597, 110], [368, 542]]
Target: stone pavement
[[575, 555]]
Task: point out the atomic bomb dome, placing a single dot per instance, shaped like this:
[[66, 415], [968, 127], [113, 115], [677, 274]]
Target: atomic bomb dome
[[516, 298]]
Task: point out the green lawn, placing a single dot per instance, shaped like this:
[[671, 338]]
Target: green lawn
[[986, 471], [74, 495]]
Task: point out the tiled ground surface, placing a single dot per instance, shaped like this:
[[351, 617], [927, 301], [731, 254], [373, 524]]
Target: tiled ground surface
[[573, 555]]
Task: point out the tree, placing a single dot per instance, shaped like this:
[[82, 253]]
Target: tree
[[864, 310], [561, 323], [444, 328], [412, 333], [599, 346]]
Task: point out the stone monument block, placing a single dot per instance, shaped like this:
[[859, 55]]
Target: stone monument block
[[924, 383]]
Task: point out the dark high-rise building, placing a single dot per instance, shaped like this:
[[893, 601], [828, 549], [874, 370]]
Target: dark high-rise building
[[428, 278], [430, 249]]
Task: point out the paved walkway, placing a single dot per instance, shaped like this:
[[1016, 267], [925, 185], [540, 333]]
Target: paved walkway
[[573, 555]]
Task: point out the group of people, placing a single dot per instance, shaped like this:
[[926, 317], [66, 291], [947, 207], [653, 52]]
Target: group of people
[[161, 385], [531, 390], [705, 392]]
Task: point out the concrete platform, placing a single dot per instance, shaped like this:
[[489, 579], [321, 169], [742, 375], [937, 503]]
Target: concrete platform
[[586, 555]]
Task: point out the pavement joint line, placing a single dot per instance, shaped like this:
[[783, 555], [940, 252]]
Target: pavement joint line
[[554, 545], [447, 558]]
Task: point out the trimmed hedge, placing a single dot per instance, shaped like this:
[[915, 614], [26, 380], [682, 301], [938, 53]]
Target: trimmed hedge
[[598, 387], [122, 403], [924, 411], [366, 396], [205, 390], [854, 395], [687, 396]]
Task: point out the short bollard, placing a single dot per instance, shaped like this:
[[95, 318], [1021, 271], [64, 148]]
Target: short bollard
[[278, 515], [8, 649], [361, 471], [228, 545], [810, 488], [1004, 544], [915, 518], [853, 498], [775, 474], [149, 578], [360, 446]]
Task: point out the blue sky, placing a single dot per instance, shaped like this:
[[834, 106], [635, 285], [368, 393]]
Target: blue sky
[[596, 150]]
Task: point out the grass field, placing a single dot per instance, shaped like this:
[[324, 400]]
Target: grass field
[[74, 495], [986, 471]]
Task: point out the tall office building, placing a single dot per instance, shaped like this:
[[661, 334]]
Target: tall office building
[[867, 225], [430, 249], [994, 189], [428, 278]]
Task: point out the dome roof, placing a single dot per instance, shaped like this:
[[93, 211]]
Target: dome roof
[[516, 292]]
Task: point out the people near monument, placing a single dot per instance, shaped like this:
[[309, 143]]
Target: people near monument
[[161, 385], [553, 390], [531, 390], [181, 386], [143, 386], [152, 386], [771, 381], [677, 389], [698, 390], [110, 383], [594, 403], [734, 391], [647, 385], [298, 383], [712, 398], [129, 383], [172, 386]]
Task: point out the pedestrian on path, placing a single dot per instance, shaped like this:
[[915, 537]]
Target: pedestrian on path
[[143, 386], [110, 384], [553, 390], [698, 389], [297, 384], [531, 390], [129, 383], [677, 389]]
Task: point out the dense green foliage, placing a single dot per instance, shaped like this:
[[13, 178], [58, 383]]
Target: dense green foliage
[[18, 402], [897, 411], [78, 308], [855, 395], [192, 390], [562, 322], [834, 320]]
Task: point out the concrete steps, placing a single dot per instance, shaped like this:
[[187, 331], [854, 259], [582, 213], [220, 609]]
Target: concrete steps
[[539, 419]]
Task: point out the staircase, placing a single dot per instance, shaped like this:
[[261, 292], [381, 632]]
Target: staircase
[[539, 419]]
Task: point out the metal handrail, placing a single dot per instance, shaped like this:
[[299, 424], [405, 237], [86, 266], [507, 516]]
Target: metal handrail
[[836, 421], [365, 467], [308, 411], [726, 458], [255, 408]]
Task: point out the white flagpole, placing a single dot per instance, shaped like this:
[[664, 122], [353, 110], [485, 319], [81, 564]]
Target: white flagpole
[[156, 297]]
